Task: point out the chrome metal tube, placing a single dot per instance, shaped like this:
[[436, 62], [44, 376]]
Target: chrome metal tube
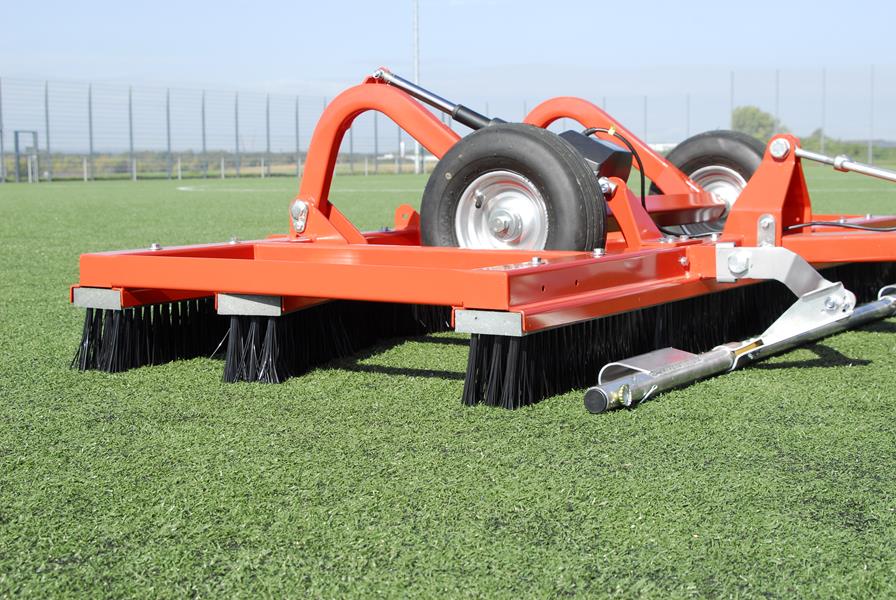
[[862, 315], [416, 91], [846, 164], [632, 389], [460, 113]]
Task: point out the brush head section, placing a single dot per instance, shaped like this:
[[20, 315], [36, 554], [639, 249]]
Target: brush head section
[[118, 340], [512, 372], [273, 349]]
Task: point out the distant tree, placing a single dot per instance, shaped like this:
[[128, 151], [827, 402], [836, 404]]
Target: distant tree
[[755, 122]]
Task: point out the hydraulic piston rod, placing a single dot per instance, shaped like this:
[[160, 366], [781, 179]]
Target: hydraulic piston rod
[[846, 164], [459, 112], [681, 368]]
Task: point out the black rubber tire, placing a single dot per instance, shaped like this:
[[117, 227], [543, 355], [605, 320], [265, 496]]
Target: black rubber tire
[[737, 151], [576, 208]]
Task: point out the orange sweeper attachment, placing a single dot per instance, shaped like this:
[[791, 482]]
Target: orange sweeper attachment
[[529, 241]]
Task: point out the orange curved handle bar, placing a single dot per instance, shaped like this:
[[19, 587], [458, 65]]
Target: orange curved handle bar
[[409, 114], [656, 168]]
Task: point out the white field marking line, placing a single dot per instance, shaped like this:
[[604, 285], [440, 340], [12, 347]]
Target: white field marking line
[[205, 189], [196, 188], [851, 189]]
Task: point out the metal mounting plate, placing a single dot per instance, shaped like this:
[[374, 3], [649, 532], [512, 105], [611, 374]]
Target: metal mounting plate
[[489, 322], [767, 262], [249, 305], [89, 297]]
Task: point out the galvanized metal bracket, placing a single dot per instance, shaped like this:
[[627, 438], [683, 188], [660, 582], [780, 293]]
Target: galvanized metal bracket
[[766, 230], [819, 302], [767, 262], [103, 298], [249, 305], [489, 322]]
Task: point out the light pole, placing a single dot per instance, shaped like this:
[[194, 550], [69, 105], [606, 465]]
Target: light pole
[[417, 162]]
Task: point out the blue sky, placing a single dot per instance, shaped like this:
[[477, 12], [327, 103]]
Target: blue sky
[[320, 46], [503, 55]]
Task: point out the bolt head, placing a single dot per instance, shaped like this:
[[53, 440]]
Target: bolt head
[[298, 210], [536, 260], [155, 246], [598, 252], [832, 303], [499, 224], [739, 262], [715, 237], [779, 148], [683, 261]]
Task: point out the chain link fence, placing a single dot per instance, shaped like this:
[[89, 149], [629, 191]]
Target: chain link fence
[[77, 130]]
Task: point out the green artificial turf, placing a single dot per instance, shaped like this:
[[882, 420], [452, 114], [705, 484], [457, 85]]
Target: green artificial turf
[[368, 478]]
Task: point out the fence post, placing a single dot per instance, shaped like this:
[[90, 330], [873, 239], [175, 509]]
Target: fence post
[[376, 144], [204, 148], [168, 127], [89, 175], [47, 127], [298, 145], [267, 133], [777, 100], [824, 108], [351, 149], [236, 130], [645, 119], [731, 102], [398, 152], [131, 159], [180, 172], [687, 116], [222, 167], [871, 118], [2, 147]]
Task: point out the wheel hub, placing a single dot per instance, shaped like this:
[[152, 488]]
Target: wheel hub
[[501, 209], [723, 183]]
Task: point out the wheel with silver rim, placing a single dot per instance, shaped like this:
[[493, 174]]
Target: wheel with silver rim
[[513, 186], [724, 183], [501, 209], [720, 162]]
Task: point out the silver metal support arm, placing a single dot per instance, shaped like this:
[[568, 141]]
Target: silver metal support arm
[[845, 163], [822, 308]]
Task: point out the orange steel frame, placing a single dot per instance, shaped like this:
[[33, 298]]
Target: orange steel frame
[[332, 259]]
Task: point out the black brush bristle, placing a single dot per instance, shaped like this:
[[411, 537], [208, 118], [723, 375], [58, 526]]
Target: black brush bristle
[[273, 349], [512, 372], [118, 340]]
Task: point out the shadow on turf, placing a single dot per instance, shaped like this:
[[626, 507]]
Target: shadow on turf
[[827, 357], [354, 363], [880, 327]]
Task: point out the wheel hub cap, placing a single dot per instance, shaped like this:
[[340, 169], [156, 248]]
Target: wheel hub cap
[[501, 209], [723, 183]]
